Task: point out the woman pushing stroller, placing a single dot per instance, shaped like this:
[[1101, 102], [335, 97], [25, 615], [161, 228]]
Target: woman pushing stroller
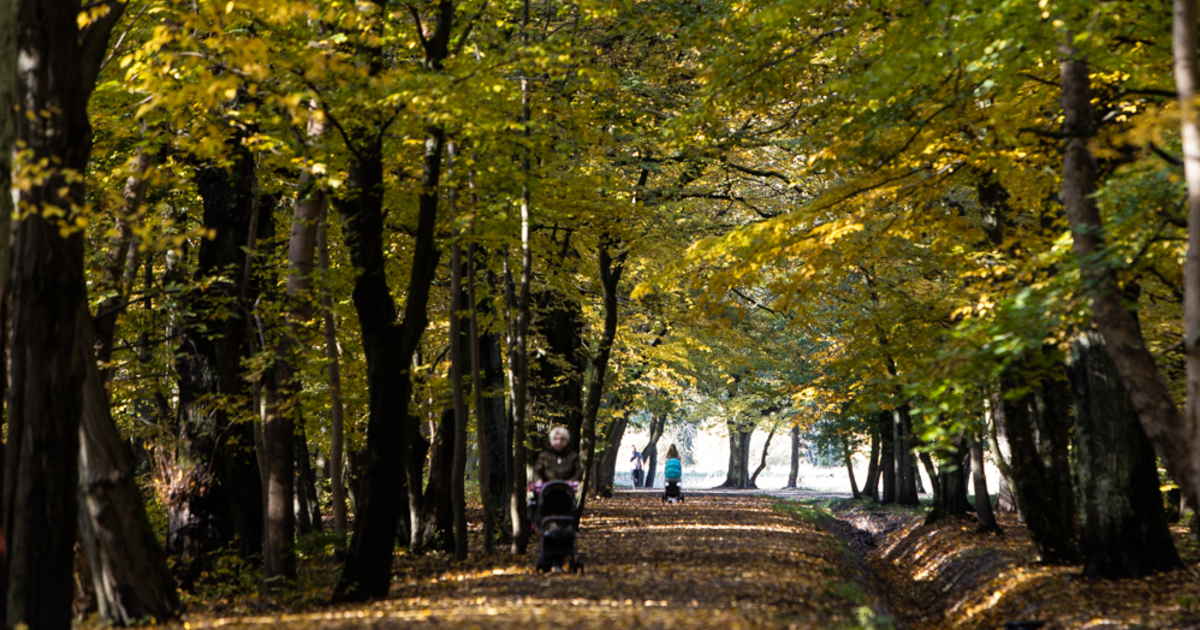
[[556, 473]]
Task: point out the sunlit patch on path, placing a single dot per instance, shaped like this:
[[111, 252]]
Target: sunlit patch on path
[[713, 562]]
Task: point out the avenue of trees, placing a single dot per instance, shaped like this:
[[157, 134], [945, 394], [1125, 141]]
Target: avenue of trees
[[271, 261]]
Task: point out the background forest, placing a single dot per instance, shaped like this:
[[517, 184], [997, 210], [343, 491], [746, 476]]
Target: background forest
[[278, 265]]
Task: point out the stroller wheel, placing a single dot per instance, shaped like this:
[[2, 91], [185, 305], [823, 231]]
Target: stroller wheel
[[543, 565], [576, 566]]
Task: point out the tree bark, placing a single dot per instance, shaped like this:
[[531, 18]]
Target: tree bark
[[1168, 431], [906, 470], [1174, 436], [794, 472], [737, 474], [458, 488], [762, 464], [983, 502], [518, 378], [871, 484], [611, 269], [49, 344], [128, 568], [658, 422], [606, 476], [849, 458], [1125, 531], [217, 495], [1050, 526], [389, 349], [887, 455], [337, 483], [483, 441]]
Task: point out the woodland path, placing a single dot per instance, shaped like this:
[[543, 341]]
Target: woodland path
[[719, 560]]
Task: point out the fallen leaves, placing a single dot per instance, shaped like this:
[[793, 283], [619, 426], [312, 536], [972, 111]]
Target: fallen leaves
[[728, 561]]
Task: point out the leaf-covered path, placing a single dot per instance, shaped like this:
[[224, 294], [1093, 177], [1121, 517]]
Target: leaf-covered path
[[715, 561]]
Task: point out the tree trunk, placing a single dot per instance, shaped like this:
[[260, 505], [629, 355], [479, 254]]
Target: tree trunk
[[279, 428], [794, 472], [308, 507], [871, 485], [483, 437], [49, 351], [1051, 528], [1167, 430], [216, 495], [556, 374], [121, 263], [518, 378], [762, 464], [389, 348], [906, 475], [951, 482], [737, 474], [1174, 436], [887, 455], [608, 461], [337, 484], [458, 488], [611, 269], [848, 456], [1125, 532], [983, 502], [128, 568], [658, 422]]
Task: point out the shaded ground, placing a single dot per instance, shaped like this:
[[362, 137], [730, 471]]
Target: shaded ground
[[946, 575], [716, 561]]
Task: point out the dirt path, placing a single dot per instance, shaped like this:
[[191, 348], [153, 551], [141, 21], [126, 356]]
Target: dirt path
[[716, 561]]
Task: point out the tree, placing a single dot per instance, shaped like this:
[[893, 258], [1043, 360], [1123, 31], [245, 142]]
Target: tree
[[49, 350], [1124, 530]]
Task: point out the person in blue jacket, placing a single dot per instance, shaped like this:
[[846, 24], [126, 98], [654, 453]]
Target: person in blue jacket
[[673, 471]]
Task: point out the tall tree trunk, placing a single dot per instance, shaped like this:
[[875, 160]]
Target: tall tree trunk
[[607, 473], [906, 475], [871, 484], [887, 455], [557, 373], [1168, 430], [121, 263], [280, 426], [518, 378], [483, 440], [1174, 435], [337, 484], [983, 502], [49, 345], [1125, 531], [1051, 528], [458, 488], [762, 464], [389, 348], [128, 568], [216, 496], [794, 471], [849, 459], [737, 474], [611, 269], [658, 422]]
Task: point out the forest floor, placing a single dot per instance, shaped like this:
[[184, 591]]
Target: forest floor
[[737, 560]]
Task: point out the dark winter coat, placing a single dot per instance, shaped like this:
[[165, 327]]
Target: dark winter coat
[[554, 466]]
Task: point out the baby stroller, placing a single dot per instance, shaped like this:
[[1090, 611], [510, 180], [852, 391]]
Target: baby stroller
[[556, 527], [672, 493]]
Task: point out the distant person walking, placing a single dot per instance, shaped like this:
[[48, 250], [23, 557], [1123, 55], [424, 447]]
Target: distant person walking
[[673, 470], [638, 470]]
